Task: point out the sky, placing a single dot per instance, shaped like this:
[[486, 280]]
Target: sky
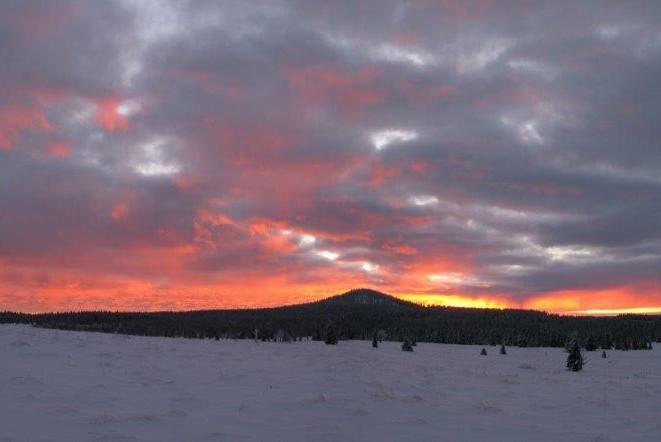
[[200, 154]]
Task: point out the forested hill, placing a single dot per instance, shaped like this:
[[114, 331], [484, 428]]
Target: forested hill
[[359, 314], [363, 297]]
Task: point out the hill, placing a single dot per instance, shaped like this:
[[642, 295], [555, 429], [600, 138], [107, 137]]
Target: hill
[[365, 297]]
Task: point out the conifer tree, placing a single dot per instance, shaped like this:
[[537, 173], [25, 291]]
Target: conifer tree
[[590, 344], [483, 352], [575, 359], [331, 337]]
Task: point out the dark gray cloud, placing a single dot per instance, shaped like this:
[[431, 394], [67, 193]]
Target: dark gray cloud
[[486, 149]]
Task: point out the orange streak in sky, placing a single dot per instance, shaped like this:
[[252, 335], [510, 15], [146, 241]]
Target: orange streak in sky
[[30, 292], [598, 302], [14, 119], [107, 116]]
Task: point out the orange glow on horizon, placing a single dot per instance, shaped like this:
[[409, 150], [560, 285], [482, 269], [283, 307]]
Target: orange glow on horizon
[[164, 278], [458, 301], [595, 302], [101, 293], [620, 311]]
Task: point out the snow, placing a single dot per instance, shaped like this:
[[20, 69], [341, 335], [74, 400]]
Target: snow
[[73, 386]]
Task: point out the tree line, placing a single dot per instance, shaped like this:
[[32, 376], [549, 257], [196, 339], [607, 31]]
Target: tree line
[[359, 314]]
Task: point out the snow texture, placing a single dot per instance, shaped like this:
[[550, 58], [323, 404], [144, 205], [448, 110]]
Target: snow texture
[[73, 386]]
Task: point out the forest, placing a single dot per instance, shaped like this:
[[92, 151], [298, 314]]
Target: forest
[[363, 314]]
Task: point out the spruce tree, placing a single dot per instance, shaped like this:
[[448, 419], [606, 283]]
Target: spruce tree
[[590, 344], [331, 337], [502, 349], [483, 352], [406, 345], [575, 359]]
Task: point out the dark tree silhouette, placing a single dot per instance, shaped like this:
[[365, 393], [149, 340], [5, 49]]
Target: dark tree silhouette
[[406, 345], [331, 336], [590, 344], [603, 354], [502, 349], [356, 315], [483, 352], [375, 342], [575, 358]]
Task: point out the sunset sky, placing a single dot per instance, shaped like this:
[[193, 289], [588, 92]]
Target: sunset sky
[[206, 154]]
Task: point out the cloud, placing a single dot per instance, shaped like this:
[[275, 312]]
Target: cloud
[[198, 154]]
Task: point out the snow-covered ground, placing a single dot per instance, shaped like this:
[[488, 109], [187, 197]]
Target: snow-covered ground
[[72, 386]]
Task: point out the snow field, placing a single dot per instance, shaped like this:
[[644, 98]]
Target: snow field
[[74, 386]]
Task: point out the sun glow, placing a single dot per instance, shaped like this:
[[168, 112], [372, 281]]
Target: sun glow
[[457, 301], [617, 311]]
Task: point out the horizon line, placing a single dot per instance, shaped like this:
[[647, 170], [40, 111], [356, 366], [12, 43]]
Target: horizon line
[[595, 312]]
